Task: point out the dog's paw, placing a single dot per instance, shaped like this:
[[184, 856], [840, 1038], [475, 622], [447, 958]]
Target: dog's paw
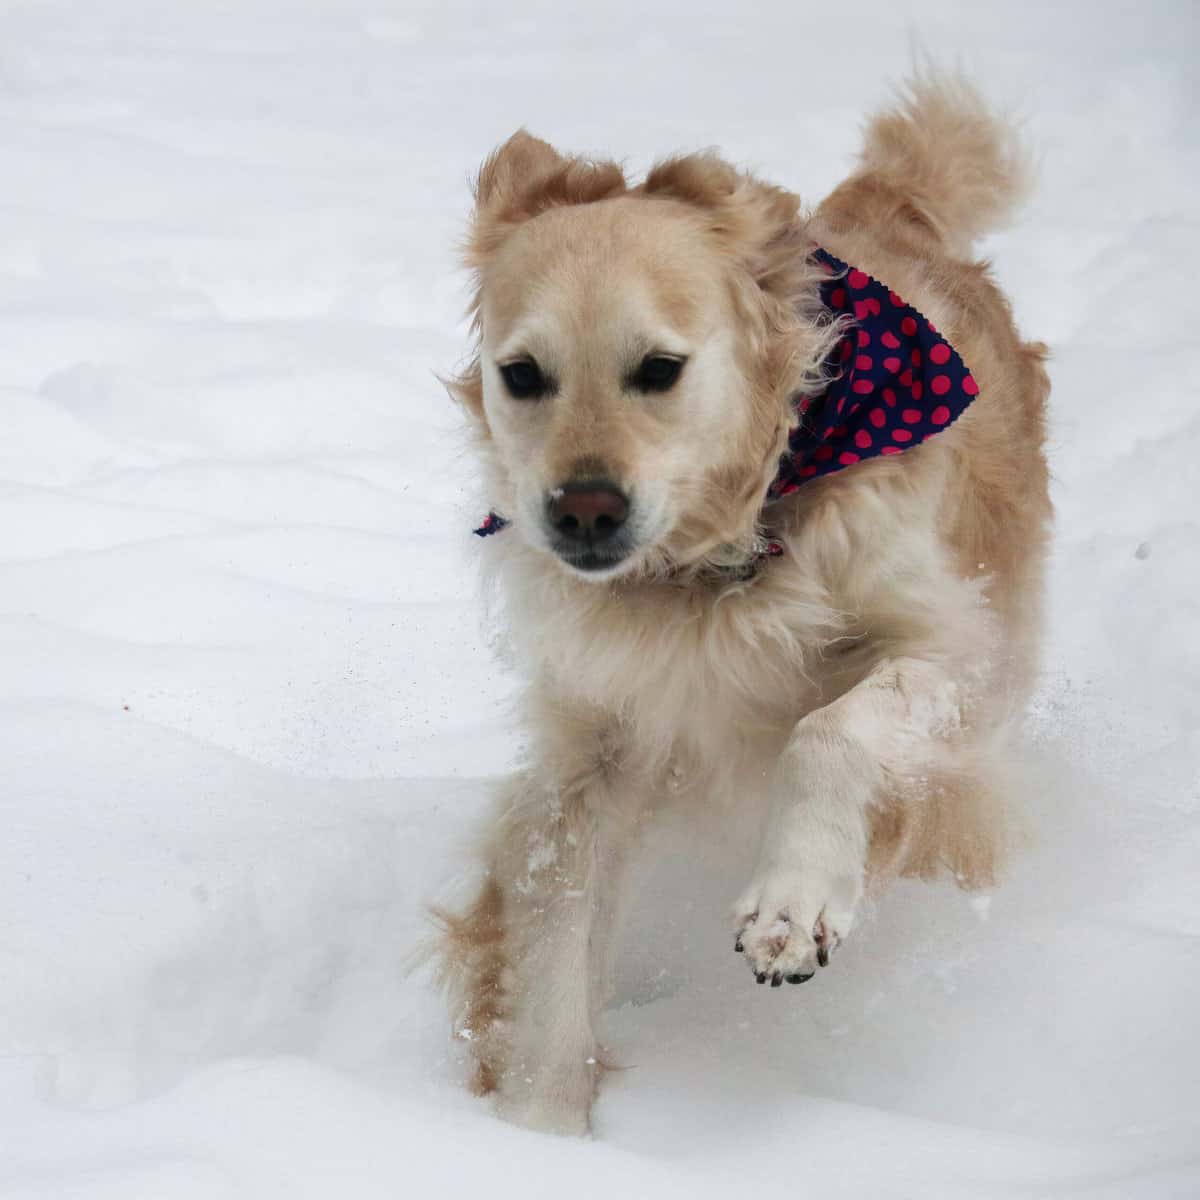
[[554, 1097], [788, 923]]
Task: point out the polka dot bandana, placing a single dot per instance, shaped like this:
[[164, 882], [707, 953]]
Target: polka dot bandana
[[896, 381]]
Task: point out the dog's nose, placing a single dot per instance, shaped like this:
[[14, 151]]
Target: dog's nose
[[588, 512]]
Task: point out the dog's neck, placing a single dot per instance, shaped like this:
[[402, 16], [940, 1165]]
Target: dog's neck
[[738, 567]]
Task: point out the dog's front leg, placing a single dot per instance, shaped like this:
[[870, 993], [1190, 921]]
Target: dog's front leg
[[809, 879], [532, 953]]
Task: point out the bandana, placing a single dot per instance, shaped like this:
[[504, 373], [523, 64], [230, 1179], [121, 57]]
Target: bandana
[[894, 383]]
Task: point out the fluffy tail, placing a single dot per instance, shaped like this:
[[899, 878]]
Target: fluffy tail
[[962, 168]]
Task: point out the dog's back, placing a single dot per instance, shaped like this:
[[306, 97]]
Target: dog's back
[[937, 172]]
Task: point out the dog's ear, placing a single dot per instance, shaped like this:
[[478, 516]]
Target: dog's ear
[[526, 176], [510, 167], [758, 224]]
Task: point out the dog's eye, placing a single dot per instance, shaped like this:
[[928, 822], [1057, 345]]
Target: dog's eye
[[524, 379], [657, 373]]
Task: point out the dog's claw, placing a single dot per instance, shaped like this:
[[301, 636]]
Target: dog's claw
[[738, 947], [798, 978], [776, 979], [827, 941], [761, 977]]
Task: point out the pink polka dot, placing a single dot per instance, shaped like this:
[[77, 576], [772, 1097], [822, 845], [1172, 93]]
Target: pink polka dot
[[890, 449], [911, 415], [840, 405], [844, 349], [873, 306], [837, 298], [807, 472], [878, 417], [862, 309], [889, 397], [864, 338], [864, 387], [908, 326], [939, 354], [939, 385], [901, 435], [823, 453], [915, 357], [839, 431], [897, 302], [970, 386], [863, 363], [857, 279], [862, 439], [890, 340], [940, 415], [892, 364], [847, 458], [907, 378], [918, 389]]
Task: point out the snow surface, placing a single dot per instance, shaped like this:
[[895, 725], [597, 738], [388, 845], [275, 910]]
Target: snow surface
[[249, 712]]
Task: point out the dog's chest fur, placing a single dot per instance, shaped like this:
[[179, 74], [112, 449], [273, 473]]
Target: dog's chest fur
[[706, 670]]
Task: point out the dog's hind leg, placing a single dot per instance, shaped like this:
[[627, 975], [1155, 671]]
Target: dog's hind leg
[[528, 959]]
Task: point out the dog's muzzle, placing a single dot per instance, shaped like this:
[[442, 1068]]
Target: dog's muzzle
[[588, 522]]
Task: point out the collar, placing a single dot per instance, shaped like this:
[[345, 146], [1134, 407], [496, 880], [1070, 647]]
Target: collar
[[894, 382]]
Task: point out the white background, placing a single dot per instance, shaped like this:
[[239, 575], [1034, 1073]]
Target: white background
[[247, 709]]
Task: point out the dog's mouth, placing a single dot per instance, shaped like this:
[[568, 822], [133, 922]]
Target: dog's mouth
[[592, 560]]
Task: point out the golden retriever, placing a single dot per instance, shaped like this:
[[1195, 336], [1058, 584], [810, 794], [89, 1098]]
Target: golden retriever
[[839, 659]]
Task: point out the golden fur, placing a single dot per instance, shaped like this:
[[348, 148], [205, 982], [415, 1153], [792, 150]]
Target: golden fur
[[851, 698]]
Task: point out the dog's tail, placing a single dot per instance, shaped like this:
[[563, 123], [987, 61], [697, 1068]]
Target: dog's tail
[[961, 169]]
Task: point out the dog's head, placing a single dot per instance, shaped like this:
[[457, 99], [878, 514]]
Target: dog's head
[[639, 349]]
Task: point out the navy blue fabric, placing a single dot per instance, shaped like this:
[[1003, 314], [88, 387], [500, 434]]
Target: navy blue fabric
[[492, 523], [896, 382]]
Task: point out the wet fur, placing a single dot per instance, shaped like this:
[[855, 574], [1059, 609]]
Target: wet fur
[[876, 665]]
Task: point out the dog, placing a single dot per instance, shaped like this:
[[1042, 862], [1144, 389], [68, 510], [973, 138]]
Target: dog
[[769, 519]]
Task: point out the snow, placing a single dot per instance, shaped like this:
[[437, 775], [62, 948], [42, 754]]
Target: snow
[[249, 710]]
